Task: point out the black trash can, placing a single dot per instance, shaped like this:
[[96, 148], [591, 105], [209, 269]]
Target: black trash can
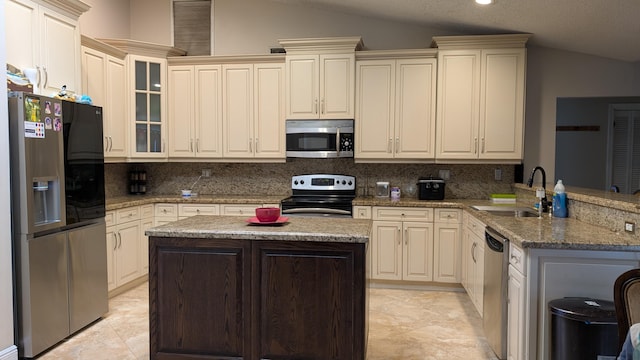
[[583, 329]]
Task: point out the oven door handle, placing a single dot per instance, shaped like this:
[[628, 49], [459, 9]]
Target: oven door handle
[[316, 211]]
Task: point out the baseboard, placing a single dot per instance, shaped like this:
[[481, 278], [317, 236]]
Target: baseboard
[[10, 353], [128, 286]]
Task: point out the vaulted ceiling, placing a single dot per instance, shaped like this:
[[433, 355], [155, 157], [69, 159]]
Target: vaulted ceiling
[[607, 28]]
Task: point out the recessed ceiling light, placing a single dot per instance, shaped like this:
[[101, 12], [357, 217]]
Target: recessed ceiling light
[[484, 2]]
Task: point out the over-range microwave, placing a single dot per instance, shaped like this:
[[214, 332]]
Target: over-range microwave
[[319, 138]]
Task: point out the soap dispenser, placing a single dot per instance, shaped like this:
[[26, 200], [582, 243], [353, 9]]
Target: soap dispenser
[[559, 201]]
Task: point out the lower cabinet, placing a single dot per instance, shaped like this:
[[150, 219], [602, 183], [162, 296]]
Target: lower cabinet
[[123, 246], [269, 299], [446, 245], [473, 260], [165, 213], [414, 244], [516, 305], [146, 222], [402, 251]]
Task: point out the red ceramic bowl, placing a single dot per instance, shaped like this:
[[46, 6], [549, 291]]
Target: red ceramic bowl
[[268, 214]]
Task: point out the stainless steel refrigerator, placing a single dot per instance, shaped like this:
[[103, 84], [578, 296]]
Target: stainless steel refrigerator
[[59, 233]]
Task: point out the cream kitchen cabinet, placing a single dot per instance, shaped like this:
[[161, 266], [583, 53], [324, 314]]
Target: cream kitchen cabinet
[[480, 98], [473, 260], [45, 36], [146, 222], [402, 244], [165, 213], [361, 212], [104, 76], [320, 86], [253, 111], [446, 245], [188, 210], [147, 82], [248, 210], [516, 313], [123, 246], [195, 111], [396, 109]]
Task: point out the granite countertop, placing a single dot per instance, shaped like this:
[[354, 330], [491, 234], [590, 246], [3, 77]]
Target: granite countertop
[[528, 232], [136, 200], [318, 229], [557, 233]]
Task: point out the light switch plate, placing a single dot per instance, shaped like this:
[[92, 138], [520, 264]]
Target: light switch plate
[[629, 226], [444, 174], [497, 174]]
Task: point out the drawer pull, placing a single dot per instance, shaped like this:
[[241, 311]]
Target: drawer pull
[[516, 259]]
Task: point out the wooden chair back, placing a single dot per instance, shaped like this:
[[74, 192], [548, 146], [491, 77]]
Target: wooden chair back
[[626, 297]]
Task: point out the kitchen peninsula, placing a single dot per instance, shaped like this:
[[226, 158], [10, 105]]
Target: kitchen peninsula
[[221, 287]]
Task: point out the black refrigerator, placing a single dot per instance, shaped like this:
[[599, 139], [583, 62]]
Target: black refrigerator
[[58, 208]]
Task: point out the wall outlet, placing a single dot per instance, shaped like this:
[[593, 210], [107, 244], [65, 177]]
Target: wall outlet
[[629, 226], [206, 172], [444, 174], [497, 174]]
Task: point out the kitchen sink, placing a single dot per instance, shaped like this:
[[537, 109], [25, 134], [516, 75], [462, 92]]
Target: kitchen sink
[[512, 211]]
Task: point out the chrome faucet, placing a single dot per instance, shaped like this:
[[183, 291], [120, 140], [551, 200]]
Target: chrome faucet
[[544, 203]]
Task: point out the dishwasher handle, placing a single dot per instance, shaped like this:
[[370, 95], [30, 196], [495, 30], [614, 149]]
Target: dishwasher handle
[[495, 241]]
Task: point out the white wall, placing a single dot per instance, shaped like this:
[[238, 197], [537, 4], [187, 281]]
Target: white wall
[[254, 26], [7, 347], [555, 73], [151, 21], [106, 19]]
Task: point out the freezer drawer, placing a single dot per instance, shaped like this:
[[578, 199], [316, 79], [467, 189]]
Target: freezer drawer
[[43, 293], [88, 297]]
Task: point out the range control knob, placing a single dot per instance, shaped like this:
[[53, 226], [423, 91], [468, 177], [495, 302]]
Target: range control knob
[[350, 183], [295, 182], [301, 182]]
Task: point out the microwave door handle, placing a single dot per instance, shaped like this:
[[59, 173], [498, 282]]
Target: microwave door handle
[[338, 142]]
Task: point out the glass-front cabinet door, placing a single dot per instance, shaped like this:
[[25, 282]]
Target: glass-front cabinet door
[[148, 104]]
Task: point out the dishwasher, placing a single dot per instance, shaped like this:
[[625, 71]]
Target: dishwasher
[[496, 270]]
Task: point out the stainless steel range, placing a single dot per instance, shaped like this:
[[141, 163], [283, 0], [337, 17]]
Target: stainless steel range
[[320, 195]]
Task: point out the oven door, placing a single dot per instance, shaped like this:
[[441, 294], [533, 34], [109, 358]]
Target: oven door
[[319, 139], [296, 206]]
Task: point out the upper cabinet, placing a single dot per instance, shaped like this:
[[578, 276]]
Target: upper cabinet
[[320, 77], [227, 108], [104, 79], [146, 91], [396, 106], [253, 111], [46, 38], [195, 111], [480, 98]]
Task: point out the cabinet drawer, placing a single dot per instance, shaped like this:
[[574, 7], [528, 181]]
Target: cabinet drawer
[[516, 257], [128, 214], [361, 212], [166, 210], [452, 216], [185, 210], [110, 218], [239, 209], [474, 225], [402, 213], [146, 211]]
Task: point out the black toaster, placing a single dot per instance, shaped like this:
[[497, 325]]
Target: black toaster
[[430, 188]]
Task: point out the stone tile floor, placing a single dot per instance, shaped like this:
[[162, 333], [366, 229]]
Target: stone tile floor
[[403, 324]]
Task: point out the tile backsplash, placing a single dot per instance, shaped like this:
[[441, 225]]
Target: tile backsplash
[[465, 182]]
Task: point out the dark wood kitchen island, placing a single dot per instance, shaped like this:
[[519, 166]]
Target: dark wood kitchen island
[[221, 288]]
